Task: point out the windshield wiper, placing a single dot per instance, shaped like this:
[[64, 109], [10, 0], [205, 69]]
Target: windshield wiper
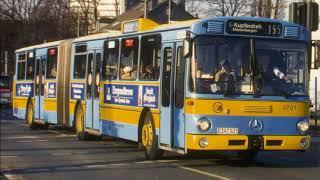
[[255, 71]]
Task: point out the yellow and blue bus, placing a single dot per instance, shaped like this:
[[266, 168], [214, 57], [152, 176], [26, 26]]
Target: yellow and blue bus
[[216, 84]]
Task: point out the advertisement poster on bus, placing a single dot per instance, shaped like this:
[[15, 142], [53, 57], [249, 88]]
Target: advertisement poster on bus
[[131, 95], [77, 91], [25, 89], [51, 92]]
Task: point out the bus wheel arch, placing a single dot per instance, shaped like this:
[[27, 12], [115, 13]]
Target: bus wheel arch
[[29, 116], [79, 121], [148, 137]]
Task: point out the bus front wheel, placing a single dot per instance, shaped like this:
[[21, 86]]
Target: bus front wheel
[[30, 116], [149, 138], [79, 124]]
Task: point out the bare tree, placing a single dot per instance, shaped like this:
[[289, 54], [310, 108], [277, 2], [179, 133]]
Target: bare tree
[[88, 10], [268, 8], [194, 7], [228, 7]]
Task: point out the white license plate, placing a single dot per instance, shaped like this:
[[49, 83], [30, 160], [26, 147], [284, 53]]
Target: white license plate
[[227, 130]]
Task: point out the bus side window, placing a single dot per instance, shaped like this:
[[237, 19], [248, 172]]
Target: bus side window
[[166, 79], [110, 59], [52, 63], [30, 66], [129, 58], [149, 68], [21, 67], [80, 59], [180, 69]]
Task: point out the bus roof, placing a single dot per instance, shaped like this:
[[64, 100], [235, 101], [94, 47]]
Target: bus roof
[[97, 36], [39, 46]]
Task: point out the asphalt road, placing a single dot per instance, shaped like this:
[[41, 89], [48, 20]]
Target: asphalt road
[[57, 154]]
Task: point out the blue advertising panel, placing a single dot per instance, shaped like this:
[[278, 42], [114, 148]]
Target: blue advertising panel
[[25, 89], [132, 95], [77, 91], [150, 96], [51, 92]]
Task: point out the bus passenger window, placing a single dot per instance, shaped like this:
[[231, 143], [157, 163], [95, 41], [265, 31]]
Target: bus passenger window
[[30, 66], [21, 67], [129, 58], [150, 57], [79, 69], [110, 59], [166, 79], [52, 63]]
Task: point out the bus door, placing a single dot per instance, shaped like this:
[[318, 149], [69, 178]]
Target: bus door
[[167, 84], [39, 87], [93, 88]]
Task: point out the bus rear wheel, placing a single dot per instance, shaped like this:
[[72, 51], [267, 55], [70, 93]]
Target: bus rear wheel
[[30, 116], [149, 138], [79, 124]]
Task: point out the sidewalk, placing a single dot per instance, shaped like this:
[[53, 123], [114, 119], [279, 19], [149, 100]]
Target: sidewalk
[[315, 130]]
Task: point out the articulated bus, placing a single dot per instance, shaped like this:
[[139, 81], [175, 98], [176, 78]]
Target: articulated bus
[[315, 73], [216, 84]]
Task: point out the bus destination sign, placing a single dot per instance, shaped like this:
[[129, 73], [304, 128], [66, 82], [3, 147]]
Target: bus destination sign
[[254, 28]]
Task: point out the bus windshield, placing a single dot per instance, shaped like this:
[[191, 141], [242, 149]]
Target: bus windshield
[[224, 65]]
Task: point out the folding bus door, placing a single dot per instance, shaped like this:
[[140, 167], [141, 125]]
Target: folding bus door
[[93, 88], [39, 87], [166, 116]]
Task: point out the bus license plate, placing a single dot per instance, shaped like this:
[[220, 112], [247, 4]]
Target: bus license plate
[[227, 130]]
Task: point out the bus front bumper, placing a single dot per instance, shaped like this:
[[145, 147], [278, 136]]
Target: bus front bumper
[[244, 142]]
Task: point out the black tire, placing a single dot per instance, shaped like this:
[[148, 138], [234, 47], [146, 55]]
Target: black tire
[[151, 148], [79, 124], [44, 126], [248, 156], [29, 117]]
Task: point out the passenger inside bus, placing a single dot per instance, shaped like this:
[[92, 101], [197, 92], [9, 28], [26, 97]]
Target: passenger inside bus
[[225, 78], [30, 73], [126, 73], [54, 71]]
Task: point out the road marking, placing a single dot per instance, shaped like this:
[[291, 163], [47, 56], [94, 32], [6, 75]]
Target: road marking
[[13, 177], [4, 156], [23, 141], [37, 170], [144, 162], [22, 124], [67, 135], [55, 132], [61, 154], [203, 172], [97, 166], [119, 164], [166, 161], [68, 168], [20, 137], [42, 140]]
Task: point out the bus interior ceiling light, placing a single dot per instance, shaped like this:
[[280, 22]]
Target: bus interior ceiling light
[[204, 124]]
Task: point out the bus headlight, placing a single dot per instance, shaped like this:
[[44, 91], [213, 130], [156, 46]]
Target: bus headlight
[[204, 124], [203, 142], [303, 126]]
